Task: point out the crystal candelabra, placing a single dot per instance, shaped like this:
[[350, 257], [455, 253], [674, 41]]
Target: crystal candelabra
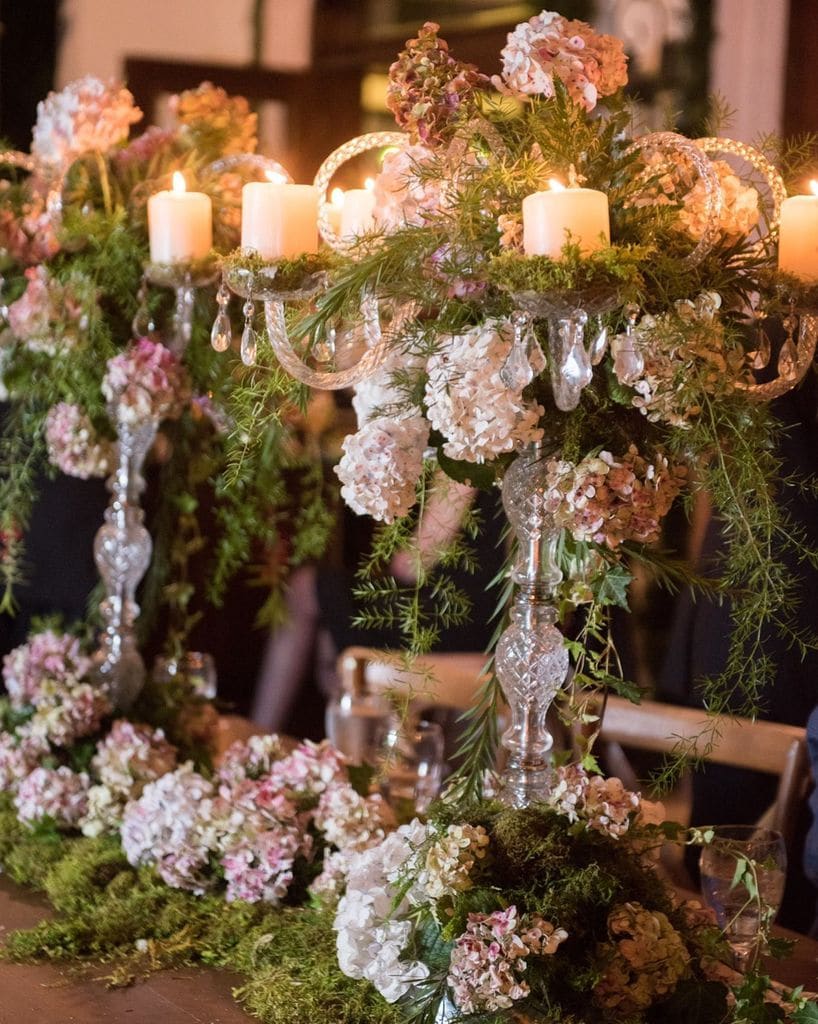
[[531, 657], [122, 552]]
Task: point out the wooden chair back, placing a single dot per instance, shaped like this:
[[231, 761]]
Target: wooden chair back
[[447, 680], [741, 743]]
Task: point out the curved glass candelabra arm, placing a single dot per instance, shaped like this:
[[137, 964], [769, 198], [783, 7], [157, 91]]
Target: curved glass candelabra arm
[[183, 279], [122, 552], [794, 358], [377, 338]]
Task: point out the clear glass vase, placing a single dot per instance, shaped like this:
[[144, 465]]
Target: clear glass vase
[[122, 552]]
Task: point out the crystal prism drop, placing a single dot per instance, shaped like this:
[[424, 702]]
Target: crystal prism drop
[[221, 335], [516, 372], [788, 360], [761, 357], [324, 350], [599, 344], [249, 345], [628, 360]]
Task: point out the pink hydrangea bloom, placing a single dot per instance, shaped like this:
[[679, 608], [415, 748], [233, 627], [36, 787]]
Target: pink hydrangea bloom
[[310, 769], [29, 237], [403, 194], [66, 712], [249, 759], [489, 960], [74, 446], [48, 313], [19, 756], [56, 793], [548, 47], [147, 381], [609, 500], [603, 804], [86, 115], [351, 821], [46, 656], [132, 755], [259, 866]]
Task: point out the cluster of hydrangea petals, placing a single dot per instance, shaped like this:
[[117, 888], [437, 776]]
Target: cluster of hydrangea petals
[[451, 860], [467, 400], [259, 866], [645, 960], [48, 673], [350, 821], [609, 500], [687, 354], [46, 655], [56, 794], [171, 825], [48, 312], [549, 47], [428, 87], [19, 756], [86, 115], [408, 190], [249, 759], [147, 382], [28, 236], [215, 120], [679, 184], [603, 804], [371, 925], [489, 959], [310, 769], [128, 758], [74, 446], [381, 466]]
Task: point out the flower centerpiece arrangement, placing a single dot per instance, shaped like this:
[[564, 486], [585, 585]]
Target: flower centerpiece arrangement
[[581, 312], [94, 347]]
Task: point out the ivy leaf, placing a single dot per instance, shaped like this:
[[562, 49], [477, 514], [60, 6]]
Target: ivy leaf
[[693, 1002], [475, 474], [612, 586], [778, 948], [805, 1013]]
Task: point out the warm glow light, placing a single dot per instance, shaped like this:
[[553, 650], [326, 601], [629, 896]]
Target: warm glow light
[[337, 198], [369, 184], [556, 185], [813, 187], [275, 178], [179, 182]]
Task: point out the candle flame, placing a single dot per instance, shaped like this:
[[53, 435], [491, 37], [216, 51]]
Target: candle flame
[[556, 185], [337, 198], [813, 187], [179, 182], [276, 178], [369, 184]]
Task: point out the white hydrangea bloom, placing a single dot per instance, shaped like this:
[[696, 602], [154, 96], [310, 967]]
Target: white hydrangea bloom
[[381, 466], [372, 932], [467, 401]]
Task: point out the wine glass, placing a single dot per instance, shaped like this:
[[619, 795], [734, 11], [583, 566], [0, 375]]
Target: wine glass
[[743, 869], [356, 724], [412, 769]]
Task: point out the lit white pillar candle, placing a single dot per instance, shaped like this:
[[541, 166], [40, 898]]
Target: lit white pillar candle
[[336, 206], [279, 220], [798, 236], [358, 212], [549, 216], [180, 224]]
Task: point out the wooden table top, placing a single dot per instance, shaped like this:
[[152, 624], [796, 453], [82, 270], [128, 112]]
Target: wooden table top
[[60, 994]]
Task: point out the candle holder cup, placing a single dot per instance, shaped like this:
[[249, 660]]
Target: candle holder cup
[[183, 279]]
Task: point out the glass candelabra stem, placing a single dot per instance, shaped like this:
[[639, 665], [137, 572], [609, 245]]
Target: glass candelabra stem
[[531, 658], [122, 552]]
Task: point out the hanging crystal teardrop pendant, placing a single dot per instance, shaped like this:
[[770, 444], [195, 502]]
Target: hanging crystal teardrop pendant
[[600, 342], [629, 363], [516, 372], [788, 356], [324, 349], [221, 335], [143, 325], [569, 363], [249, 341]]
